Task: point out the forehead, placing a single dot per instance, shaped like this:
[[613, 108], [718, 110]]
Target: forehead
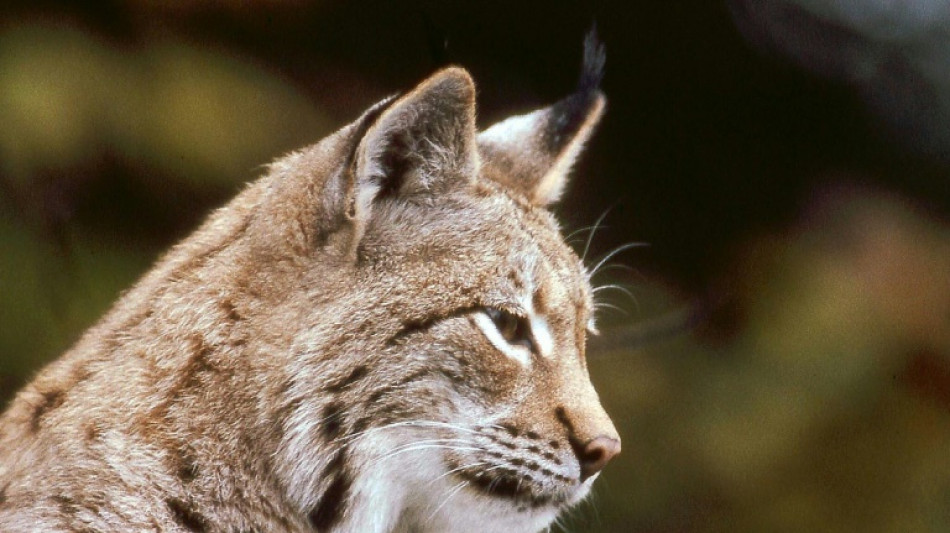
[[540, 264], [488, 243]]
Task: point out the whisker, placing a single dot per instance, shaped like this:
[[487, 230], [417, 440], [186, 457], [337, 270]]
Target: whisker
[[574, 233], [452, 493], [412, 423], [618, 266], [604, 305], [408, 449], [398, 449], [614, 287], [613, 253], [590, 236], [457, 469]]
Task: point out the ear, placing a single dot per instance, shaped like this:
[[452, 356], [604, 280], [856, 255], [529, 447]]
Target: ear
[[532, 154], [421, 146]]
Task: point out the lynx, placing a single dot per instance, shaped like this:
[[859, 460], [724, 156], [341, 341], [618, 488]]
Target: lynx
[[385, 333]]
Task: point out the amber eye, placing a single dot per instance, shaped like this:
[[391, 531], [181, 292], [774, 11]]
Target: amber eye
[[514, 329]]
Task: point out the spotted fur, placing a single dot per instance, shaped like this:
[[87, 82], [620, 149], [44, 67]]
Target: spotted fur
[[325, 353]]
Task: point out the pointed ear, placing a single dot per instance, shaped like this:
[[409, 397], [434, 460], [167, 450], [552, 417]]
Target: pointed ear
[[533, 153], [422, 145]]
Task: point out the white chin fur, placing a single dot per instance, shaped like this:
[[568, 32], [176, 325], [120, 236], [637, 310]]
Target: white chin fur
[[411, 492]]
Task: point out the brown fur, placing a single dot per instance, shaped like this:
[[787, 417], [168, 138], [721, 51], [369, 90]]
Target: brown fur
[[265, 373]]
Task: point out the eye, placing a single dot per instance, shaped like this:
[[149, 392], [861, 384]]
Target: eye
[[514, 329]]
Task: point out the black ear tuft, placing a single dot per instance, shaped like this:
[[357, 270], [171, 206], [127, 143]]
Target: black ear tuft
[[532, 153], [595, 56], [571, 112]]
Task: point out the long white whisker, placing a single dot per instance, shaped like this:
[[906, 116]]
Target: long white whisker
[[392, 454], [400, 448], [618, 266], [453, 492], [604, 305], [590, 236], [613, 287], [457, 469], [574, 233], [613, 253], [411, 423]]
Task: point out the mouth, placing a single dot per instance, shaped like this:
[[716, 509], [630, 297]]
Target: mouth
[[517, 487]]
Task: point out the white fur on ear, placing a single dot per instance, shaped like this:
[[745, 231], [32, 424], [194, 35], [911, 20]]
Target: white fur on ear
[[532, 154], [517, 147]]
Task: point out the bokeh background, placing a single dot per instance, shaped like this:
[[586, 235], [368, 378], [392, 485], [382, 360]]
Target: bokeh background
[[788, 162]]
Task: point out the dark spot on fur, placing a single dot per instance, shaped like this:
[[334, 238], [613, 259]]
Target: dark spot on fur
[[332, 504], [408, 329], [361, 424], [66, 504], [551, 457], [561, 415], [355, 375], [554, 444], [187, 467], [201, 351], [532, 435], [81, 374], [51, 400], [336, 465], [376, 396], [533, 449], [3, 494], [413, 377], [507, 471], [92, 432], [230, 311], [511, 429], [186, 517], [453, 376], [332, 420]]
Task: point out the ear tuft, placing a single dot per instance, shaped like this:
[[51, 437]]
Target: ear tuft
[[592, 69], [532, 154]]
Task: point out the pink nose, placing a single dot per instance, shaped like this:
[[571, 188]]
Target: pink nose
[[595, 455]]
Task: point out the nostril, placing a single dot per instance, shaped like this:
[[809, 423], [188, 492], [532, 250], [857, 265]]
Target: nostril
[[595, 455]]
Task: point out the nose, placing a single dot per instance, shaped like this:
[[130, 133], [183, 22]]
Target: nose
[[594, 455]]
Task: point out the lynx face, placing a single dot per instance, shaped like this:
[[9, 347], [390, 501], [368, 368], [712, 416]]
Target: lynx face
[[479, 402], [386, 333]]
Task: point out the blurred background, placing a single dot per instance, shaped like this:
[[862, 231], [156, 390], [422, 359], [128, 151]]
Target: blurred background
[[788, 161]]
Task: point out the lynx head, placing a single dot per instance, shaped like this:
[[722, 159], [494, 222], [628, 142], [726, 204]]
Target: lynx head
[[426, 317]]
